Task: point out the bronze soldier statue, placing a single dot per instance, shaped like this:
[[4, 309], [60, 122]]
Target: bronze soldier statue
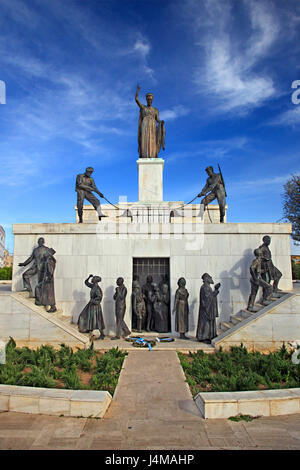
[[38, 266], [214, 188], [147, 290], [85, 186]]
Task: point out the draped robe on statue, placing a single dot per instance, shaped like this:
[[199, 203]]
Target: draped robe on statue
[[91, 317], [150, 136], [208, 311]]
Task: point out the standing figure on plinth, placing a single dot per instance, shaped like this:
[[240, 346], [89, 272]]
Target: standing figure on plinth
[[151, 131], [85, 186], [138, 306], [44, 291], [181, 309], [208, 310], [91, 317], [214, 188], [257, 281], [38, 266], [269, 272], [147, 290], [120, 305]]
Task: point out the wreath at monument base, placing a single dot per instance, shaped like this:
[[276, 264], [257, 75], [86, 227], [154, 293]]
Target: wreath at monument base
[[141, 342]]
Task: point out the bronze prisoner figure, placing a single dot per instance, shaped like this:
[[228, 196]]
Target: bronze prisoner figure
[[38, 266], [120, 307]]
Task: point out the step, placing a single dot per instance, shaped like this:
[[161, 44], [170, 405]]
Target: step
[[226, 326], [235, 320], [246, 314]]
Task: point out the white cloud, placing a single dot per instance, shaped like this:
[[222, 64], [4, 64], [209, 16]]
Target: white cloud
[[173, 113], [229, 71], [288, 118]]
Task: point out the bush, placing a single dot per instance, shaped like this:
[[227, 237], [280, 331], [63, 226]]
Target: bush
[[44, 366], [239, 369], [6, 273], [295, 270]]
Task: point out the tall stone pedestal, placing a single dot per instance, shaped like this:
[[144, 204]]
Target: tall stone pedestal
[[150, 179]]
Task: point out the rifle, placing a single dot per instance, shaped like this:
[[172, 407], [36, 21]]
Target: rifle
[[222, 179]]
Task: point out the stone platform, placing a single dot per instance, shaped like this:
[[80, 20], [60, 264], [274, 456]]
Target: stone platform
[[108, 248]]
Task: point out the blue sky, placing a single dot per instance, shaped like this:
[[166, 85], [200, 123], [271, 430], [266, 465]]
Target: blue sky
[[221, 72]]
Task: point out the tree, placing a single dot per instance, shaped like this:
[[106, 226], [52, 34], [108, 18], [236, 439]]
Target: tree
[[291, 206]]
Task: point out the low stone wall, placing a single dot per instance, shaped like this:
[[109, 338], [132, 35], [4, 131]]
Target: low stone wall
[[254, 403], [51, 401]]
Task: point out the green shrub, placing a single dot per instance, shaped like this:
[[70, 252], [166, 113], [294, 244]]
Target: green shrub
[[239, 370], [295, 270], [6, 273]]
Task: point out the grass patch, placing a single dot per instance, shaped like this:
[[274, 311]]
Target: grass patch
[[240, 417], [238, 370], [49, 368]]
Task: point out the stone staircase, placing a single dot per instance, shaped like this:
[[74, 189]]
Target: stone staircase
[[57, 318], [233, 329], [240, 317]]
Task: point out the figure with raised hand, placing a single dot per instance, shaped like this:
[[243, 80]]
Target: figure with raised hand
[[151, 131], [208, 310], [91, 317]]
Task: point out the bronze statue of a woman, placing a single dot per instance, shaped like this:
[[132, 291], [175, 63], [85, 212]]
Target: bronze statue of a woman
[[91, 317], [151, 131]]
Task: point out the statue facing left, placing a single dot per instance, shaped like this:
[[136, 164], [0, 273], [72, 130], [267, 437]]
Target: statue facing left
[[85, 186], [38, 266]]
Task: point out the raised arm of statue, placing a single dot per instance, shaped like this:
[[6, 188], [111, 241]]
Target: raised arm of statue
[[137, 96]]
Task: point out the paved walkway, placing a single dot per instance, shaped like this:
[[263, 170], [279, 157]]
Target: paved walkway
[[152, 409]]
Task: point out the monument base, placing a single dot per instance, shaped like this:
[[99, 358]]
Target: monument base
[[112, 249], [150, 179]]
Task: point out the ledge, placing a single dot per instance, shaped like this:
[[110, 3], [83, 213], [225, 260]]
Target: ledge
[[52, 401], [111, 227], [255, 403]]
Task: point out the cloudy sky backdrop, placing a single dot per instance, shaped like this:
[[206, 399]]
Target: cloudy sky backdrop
[[221, 72]]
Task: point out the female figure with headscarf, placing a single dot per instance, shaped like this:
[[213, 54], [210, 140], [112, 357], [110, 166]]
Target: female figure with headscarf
[[208, 310], [151, 137], [181, 308], [91, 317]]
